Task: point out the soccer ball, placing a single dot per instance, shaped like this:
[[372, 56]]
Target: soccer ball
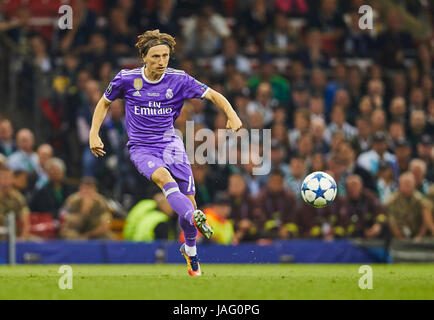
[[318, 189]]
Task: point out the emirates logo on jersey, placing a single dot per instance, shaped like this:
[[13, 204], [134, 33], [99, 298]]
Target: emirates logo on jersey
[[169, 94]]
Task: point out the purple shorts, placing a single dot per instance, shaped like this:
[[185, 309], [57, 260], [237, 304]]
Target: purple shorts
[[173, 157]]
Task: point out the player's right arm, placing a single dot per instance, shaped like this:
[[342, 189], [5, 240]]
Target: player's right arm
[[95, 142], [114, 91]]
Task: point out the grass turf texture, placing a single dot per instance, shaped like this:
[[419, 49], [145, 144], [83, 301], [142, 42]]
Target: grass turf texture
[[218, 282]]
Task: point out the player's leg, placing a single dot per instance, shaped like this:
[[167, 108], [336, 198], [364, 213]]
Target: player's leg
[[184, 206], [192, 199], [180, 203], [184, 177]]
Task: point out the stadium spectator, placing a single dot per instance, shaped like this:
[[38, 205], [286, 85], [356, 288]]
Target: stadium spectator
[[119, 34], [13, 201], [21, 184], [77, 38], [370, 160], [399, 85], [97, 53], [280, 40], [403, 154], [318, 163], [243, 211], [253, 22], [164, 17], [318, 127], [312, 55], [204, 194], [386, 182], [378, 120], [305, 147], [279, 133], [266, 73], [295, 174], [278, 155], [316, 108], [19, 28], [51, 197], [3, 161], [301, 126], [361, 214], [230, 53], [417, 127], [347, 156], [25, 159], [424, 152], [329, 19], [119, 169], [339, 123], [277, 207], [40, 54], [204, 31], [264, 103], [218, 214], [318, 83], [418, 169], [150, 220], [409, 212], [318, 223], [357, 42], [45, 153], [83, 121], [394, 43], [376, 93], [398, 110], [363, 140], [7, 143], [85, 214], [365, 107], [300, 95], [396, 132]]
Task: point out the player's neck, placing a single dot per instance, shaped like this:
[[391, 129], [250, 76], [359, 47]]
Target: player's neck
[[152, 75]]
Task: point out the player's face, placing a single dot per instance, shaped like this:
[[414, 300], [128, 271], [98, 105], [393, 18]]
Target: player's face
[[157, 59]]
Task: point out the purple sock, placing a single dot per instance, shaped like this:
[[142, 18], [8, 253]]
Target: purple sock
[[184, 208]]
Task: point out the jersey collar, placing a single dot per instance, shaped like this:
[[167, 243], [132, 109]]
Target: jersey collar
[[150, 81]]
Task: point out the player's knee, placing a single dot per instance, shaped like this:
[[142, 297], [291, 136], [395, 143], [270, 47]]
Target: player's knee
[[161, 176]]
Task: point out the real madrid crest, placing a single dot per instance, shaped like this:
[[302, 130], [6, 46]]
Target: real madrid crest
[[169, 94], [138, 83]]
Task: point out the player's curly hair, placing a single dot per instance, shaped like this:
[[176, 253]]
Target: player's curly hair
[[153, 38]]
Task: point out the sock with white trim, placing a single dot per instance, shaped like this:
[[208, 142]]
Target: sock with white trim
[[190, 251], [184, 208]]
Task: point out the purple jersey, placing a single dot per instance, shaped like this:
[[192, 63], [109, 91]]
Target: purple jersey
[[151, 107]]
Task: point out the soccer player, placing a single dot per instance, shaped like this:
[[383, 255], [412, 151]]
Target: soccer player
[[154, 95]]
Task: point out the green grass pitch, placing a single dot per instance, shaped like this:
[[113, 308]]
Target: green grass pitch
[[171, 282]]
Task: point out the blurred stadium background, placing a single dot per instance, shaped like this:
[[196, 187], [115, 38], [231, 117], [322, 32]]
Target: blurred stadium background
[[358, 104]]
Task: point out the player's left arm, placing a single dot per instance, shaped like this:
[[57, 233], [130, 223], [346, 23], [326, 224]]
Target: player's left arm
[[222, 103]]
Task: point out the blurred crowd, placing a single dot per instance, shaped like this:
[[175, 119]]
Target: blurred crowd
[[358, 104]]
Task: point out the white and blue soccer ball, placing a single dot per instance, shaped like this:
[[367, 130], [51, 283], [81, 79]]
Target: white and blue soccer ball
[[319, 189]]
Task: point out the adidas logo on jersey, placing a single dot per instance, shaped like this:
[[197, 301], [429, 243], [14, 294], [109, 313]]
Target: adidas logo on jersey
[[137, 94]]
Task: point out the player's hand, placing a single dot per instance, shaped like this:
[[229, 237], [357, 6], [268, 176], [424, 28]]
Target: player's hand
[[234, 123], [96, 146]]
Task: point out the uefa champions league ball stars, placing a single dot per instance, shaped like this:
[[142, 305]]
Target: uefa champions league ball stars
[[318, 189]]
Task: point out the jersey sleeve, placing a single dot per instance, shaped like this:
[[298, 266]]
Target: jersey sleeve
[[193, 88], [115, 89]]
